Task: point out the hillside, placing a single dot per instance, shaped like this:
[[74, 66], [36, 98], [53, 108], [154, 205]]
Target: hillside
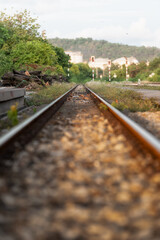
[[105, 49]]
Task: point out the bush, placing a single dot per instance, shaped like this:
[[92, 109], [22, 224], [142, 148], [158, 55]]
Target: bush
[[33, 52], [155, 78], [80, 73], [5, 63]]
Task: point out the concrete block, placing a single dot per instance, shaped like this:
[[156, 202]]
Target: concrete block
[[10, 96], [9, 93]]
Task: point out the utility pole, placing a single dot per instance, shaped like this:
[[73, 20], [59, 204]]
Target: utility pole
[[68, 74], [109, 69], [68, 69], [126, 68], [97, 72], [93, 66]]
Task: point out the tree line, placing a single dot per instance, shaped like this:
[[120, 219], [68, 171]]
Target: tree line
[[105, 49]]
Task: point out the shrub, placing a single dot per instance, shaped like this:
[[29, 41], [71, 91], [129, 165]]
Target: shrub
[[5, 63], [33, 52]]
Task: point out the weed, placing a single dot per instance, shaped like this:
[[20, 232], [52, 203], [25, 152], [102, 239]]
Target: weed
[[13, 115], [34, 109], [48, 94], [120, 106], [102, 106], [123, 98]]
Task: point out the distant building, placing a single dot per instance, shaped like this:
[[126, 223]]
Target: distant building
[[76, 57], [99, 63], [122, 61]]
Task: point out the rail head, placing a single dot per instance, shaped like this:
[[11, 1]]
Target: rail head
[[144, 136]]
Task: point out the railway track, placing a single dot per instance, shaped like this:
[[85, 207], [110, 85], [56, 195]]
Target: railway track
[[83, 176]]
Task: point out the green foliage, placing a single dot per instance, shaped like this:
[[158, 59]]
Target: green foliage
[[46, 95], [4, 34], [22, 25], [80, 72], [101, 48], [5, 63], [154, 64], [124, 99], [74, 70], [14, 30], [155, 78], [121, 74], [85, 71], [121, 106], [21, 45], [33, 52], [62, 58], [13, 115], [134, 70]]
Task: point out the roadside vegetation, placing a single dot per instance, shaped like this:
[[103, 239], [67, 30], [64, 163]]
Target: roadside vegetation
[[48, 94], [21, 45], [23, 48], [124, 99]]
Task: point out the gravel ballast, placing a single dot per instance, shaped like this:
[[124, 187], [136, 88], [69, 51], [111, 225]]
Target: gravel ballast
[[82, 178]]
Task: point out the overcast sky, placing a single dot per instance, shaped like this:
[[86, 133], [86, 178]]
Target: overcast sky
[[133, 22]]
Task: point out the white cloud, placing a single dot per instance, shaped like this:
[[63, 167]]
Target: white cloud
[[135, 34], [113, 20]]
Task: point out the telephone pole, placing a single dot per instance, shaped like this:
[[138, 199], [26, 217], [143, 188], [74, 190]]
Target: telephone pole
[[109, 69]]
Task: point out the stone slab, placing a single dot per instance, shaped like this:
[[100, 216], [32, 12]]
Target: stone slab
[[5, 106], [9, 93], [10, 96]]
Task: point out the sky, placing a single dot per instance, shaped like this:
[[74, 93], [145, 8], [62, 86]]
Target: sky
[[133, 22]]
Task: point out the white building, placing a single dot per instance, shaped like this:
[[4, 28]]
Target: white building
[[76, 57], [99, 63], [122, 61]]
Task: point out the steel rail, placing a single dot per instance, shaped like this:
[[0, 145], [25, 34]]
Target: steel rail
[[146, 138], [19, 135]]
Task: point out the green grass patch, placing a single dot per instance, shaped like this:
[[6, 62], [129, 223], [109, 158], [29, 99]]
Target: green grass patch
[[124, 99], [46, 95]]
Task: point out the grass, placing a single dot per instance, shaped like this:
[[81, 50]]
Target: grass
[[46, 95], [124, 99]]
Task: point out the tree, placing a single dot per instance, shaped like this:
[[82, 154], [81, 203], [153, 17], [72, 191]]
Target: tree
[[74, 70], [21, 26], [80, 72], [62, 58], [4, 34], [5, 63], [22, 23], [85, 70], [21, 44], [33, 52], [154, 64]]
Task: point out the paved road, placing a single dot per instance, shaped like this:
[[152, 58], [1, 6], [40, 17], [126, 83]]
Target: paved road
[[148, 93]]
